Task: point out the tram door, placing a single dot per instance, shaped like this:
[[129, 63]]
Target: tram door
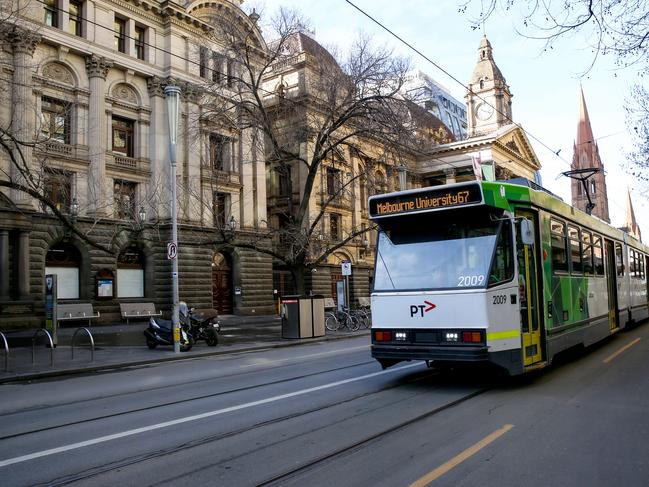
[[529, 296], [611, 285]]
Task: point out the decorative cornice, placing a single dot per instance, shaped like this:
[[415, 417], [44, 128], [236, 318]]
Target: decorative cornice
[[19, 38], [97, 67]]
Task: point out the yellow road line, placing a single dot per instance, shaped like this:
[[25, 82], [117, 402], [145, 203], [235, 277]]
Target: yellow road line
[[625, 347], [456, 460]]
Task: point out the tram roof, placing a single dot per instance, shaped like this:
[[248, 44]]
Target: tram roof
[[506, 195]]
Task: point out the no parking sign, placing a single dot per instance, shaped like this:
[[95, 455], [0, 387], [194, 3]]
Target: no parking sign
[[172, 250]]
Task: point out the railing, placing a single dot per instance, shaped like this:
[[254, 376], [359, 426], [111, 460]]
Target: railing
[[49, 337], [125, 161], [92, 342], [4, 339], [284, 63], [58, 148]]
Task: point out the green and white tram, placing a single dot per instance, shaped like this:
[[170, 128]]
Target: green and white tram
[[498, 272]]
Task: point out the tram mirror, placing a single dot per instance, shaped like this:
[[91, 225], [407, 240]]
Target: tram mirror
[[527, 232]]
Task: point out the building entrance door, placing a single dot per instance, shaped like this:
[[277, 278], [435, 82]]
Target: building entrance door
[[221, 284]]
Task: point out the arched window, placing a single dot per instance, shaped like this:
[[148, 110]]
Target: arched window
[[130, 273], [64, 260]]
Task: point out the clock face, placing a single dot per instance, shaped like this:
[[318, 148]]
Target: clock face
[[484, 111]]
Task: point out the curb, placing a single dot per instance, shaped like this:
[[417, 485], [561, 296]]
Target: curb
[[174, 358]]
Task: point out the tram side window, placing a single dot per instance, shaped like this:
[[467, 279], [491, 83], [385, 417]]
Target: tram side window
[[575, 250], [639, 269], [634, 264], [502, 268], [598, 255], [619, 260], [558, 243], [587, 252]]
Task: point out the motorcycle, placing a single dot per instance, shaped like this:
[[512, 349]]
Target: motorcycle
[[204, 325], [194, 325]]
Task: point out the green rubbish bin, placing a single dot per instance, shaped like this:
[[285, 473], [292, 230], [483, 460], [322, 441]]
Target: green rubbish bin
[[302, 316]]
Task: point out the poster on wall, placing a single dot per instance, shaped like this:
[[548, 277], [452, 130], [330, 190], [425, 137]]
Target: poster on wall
[[104, 288]]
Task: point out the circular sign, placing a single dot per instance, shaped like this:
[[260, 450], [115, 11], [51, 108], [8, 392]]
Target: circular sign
[[172, 250]]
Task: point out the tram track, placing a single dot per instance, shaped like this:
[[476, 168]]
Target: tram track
[[77, 404], [98, 471]]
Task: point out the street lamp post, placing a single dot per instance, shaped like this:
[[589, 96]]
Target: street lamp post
[[172, 94]]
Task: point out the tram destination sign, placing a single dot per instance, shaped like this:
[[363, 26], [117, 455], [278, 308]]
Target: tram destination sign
[[429, 199]]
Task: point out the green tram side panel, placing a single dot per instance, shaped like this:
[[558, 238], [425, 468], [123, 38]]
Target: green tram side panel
[[568, 294]]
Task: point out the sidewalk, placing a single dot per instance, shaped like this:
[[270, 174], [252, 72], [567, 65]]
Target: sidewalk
[[120, 345]]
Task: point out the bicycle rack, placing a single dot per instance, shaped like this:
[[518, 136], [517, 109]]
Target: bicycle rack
[[49, 337], [4, 339], [92, 342]]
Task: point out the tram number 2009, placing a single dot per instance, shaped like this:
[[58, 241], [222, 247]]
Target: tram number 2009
[[500, 299], [475, 280]]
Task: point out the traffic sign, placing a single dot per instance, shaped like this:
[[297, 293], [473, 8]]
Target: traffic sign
[[346, 268], [172, 250]]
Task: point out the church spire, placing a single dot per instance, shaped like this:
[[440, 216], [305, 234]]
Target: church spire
[[584, 130], [630, 223], [586, 156]]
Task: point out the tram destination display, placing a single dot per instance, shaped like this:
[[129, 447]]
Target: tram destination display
[[429, 199]]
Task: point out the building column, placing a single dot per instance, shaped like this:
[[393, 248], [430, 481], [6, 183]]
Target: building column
[[97, 68], [23, 265], [450, 175], [159, 188], [23, 43], [259, 162], [4, 265]]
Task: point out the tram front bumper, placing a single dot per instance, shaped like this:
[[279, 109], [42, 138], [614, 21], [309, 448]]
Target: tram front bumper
[[400, 352]]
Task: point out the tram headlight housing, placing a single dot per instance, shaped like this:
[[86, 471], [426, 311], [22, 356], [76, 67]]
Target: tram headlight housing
[[400, 336], [451, 336]]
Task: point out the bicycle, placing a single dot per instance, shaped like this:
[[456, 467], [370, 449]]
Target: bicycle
[[364, 317], [338, 319]]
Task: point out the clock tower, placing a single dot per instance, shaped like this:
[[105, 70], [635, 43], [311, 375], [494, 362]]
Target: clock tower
[[489, 101]]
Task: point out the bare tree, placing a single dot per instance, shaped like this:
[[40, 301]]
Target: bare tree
[[612, 27], [340, 106]]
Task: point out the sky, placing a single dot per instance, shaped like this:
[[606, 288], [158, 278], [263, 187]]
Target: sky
[[545, 84]]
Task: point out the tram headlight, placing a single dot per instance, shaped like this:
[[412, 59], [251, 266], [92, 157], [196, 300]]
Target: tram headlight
[[452, 336], [400, 336]]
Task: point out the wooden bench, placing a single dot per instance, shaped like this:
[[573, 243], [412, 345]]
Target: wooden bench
[[74, 312], [134, 311]]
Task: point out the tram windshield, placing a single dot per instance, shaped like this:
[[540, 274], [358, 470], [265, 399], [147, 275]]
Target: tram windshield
[[447, 251]]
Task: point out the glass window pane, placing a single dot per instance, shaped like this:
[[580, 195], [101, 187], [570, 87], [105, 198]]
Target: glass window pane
[[598, 255], [587, 252], [558, 243]]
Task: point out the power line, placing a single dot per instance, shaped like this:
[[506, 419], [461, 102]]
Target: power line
[[410, 46], [413, 48]]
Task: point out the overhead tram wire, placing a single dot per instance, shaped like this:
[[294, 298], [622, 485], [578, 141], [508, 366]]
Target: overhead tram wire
[[413, 48], [410, 46]]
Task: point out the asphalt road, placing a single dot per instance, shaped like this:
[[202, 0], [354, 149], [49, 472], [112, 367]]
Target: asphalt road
[[326, 414]]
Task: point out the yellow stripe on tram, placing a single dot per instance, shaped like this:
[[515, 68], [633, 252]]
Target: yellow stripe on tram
[[503, 335]]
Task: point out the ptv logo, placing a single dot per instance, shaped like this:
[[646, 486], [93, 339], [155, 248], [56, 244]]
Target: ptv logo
[[420, 309]]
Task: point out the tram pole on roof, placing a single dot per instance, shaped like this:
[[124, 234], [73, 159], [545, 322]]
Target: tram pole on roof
[[582, 175]]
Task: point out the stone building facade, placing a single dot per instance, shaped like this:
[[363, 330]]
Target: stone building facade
[[355, 169], [85, 118]]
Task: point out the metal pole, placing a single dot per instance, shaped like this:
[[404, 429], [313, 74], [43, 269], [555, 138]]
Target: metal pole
[[173, 93]]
